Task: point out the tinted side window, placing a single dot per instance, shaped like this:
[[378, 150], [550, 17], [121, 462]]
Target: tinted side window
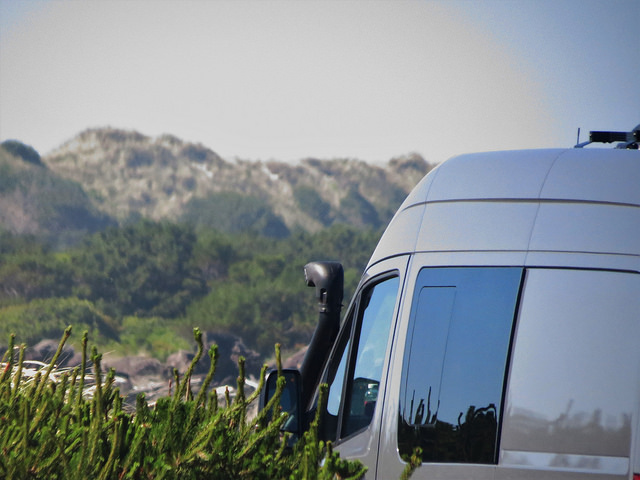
[[358, 362], [455, 361]]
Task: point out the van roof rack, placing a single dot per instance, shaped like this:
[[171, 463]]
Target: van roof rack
[[629, 140]]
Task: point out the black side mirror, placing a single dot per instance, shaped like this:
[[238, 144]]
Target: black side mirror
[[290, 398]]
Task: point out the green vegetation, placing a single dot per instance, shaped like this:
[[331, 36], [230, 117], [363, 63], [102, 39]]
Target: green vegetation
[[311, 203], [229, 264], [143, 287], [73, 425], [234, 212], [36, 201], [48, 318], [356, 210], [154, 336], [20, 150], [143, 269]]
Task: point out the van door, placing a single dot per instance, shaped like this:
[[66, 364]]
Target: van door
[[505, 373], [358, 366]]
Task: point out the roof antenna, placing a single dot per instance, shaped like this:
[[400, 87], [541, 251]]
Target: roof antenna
[[583, 144]]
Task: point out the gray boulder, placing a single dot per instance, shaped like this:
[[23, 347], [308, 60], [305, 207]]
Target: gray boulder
[[44, 350]]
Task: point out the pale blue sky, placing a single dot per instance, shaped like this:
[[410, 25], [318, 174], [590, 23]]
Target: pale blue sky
[[287, 80]]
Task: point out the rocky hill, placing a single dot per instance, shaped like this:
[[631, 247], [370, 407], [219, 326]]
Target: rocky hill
[[127, 174]]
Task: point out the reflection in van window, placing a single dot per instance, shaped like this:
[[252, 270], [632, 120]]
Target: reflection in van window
[[360, 361], [335, 386], [453, 376], [376, 312]]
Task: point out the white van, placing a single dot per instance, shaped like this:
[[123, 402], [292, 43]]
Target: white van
[[496, 326]]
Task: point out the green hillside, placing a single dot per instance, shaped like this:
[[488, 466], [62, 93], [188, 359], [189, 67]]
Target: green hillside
[[139, 240], [36, 201]]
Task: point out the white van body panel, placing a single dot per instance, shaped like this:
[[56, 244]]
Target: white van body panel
[[570, 220], [597, 175], [525, 201]]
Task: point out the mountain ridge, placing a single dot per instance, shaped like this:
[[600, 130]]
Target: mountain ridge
[[127, 175]]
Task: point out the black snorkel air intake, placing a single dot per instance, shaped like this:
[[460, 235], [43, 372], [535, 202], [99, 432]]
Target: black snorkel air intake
[[328, 279]]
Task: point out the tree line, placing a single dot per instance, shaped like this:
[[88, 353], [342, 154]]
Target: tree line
[[145, 286]]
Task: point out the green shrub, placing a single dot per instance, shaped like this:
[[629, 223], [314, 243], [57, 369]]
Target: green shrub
[[72, 425], [48, 318], [153, 336]]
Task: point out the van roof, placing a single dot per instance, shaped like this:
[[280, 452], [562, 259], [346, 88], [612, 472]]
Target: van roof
[[600, 175], [514, 201]]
